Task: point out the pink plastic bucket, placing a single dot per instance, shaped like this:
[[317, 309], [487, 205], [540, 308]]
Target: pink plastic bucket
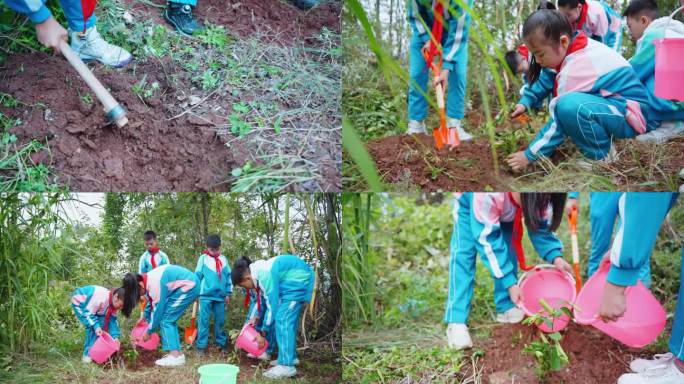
[[247, 341], [669, 71], [137, 334], [641, 324], [555, 287], [103, 348]]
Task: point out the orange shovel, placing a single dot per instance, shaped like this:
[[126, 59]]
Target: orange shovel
[[191, 331], [572, 219], [441, 134]]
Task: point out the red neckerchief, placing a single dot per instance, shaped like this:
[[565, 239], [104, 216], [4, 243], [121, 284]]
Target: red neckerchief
[[258, 299], [518, 234], [580, 41], [583, 17], [109, 312], [217, 260], [152, 252], [437, 29], [147, 291], [524, 51]]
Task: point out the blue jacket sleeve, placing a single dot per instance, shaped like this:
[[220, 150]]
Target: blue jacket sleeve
[[545, 242], [227, 281], [533, 94], [36, 10], [271, 294], [198, 268], [641, 215], [158, 310], [489, 240], [418, 26]]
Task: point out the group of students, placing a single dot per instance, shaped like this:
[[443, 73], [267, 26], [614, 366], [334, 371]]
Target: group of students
[[275, 290], [87, 42], [571, 56], [491, 224]]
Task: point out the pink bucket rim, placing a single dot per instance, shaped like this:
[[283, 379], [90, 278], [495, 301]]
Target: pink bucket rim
[[550, 269]]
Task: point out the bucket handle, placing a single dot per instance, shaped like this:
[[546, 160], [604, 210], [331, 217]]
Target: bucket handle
[[667, 26], [545, 266]]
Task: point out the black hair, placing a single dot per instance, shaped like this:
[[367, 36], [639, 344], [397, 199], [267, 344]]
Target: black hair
[[149, 235], [120, 293], [535, 204], [512, 61], [570, 3], [553, 25], [649, 8], [213, 241], [240, 269], [131, 293], [545, 5]]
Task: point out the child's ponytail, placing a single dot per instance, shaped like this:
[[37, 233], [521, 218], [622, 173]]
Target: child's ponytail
[[535, 204], [240, 269], [544, 4], [552, 25], [131, 289]]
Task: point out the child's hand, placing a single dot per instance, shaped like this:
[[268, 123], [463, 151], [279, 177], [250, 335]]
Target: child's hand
[[569, 205], [50, 33], [227, 300], [613, 304], [563, 265], [261, 341], [146, 336], [518, 161], [518, 110], [442, 78], [253, 321], [515, 294], [98, 331]]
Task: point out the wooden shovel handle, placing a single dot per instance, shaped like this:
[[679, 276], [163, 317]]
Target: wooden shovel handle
[[194, 309], [114, 111]]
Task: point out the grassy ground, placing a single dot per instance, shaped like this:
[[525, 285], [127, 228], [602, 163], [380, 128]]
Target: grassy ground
[[404, 341], [280, 101]]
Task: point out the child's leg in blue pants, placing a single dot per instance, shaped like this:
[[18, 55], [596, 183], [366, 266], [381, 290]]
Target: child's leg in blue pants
[[418, 81], [603, 212], [677, 336], [592, 122], [286, 331], [456, 87], [461, 265], [203, 329], [176, 304], [219, 310], [502, 299], [73, 11]]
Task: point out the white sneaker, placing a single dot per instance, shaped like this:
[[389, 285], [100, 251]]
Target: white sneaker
[[666, 131], [681, 173], [512, 316], [171, 361], [458, 336], [415, 126], [588, 164], [86, 359], [462, 134], [273, 363], [263, 357], [91, 46], [280, 372], [641, 365], [664, 374]]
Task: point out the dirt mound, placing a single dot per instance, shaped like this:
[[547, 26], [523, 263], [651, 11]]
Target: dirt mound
[[151, 153], [594, 357], [414, 159], [278, 18]]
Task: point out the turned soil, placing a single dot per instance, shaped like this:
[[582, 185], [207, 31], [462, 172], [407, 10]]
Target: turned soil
[[594, 357], [414, 160]]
